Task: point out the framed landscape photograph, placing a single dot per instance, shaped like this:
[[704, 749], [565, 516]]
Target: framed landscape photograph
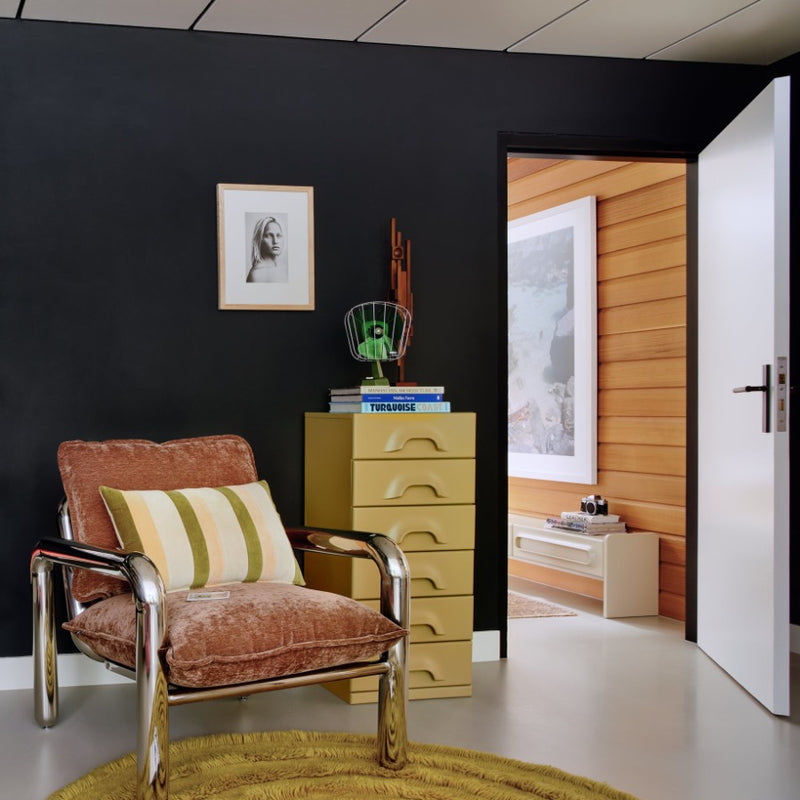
[[266, 247], [552, 344]]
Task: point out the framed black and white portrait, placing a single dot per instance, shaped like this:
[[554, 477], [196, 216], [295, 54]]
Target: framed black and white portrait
[[266, 247]]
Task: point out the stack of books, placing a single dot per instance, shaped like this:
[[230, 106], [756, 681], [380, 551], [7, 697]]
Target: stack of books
[[592, 524], [389, 400]]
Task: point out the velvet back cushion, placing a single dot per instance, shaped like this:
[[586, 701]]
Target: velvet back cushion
[[139, 464], [202, 536], [259, 631]]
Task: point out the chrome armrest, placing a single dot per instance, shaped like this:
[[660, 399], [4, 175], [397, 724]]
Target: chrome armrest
[[149, 597], [136, 568], [394, 604], [386, 554]]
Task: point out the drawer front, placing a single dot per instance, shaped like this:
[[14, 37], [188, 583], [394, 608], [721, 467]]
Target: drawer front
[[397, 436], [441, 573], [420, 527], [438, 619], [431, 665], [413, 482], [574, 553], [433, 574]]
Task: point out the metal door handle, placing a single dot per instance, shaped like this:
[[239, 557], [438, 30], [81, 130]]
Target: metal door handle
[[766, 372], [749, 389]]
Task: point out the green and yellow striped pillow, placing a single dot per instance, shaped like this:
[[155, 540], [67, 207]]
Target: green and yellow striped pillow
[[206, 536]]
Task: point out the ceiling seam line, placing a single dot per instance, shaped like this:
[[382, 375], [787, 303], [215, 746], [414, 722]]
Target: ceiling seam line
[[547, 25], [378, 21], [704, 28], [201, 14]]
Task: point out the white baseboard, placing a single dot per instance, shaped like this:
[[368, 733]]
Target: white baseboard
[[485, 646], [74, 669]]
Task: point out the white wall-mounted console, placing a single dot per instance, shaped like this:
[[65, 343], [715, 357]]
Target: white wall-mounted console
[[627, 563]]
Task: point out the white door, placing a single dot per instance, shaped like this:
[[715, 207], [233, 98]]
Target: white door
[[743, 473]]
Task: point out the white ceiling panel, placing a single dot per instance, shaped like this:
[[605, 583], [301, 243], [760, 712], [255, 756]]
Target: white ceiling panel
[[316, 19], [626, 28], [469, 24], [762, 33], [735, 31], [144, 13]]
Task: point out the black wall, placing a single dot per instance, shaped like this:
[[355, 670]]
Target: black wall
[[112, 141]]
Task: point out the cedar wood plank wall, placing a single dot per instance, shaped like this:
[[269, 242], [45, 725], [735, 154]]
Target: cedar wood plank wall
[[641, 303]]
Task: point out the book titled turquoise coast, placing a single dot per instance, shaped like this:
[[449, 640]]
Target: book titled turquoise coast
[[391, 407]]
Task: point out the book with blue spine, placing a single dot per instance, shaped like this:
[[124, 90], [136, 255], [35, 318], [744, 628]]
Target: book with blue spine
[[390, 407], [400, 397]]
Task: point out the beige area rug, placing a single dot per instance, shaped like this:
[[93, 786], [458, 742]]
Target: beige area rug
[[299, 765], [522, 605]]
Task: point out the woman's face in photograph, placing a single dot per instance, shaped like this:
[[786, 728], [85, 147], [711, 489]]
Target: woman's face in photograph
[[271, 241]]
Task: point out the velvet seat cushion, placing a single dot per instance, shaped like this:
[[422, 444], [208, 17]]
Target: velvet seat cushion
[[139, 464], [263, 630]]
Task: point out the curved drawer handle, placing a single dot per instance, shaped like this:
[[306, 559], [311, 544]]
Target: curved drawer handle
[[400, 485], [399, 439], [435, 535], [586, 552], [434, 580], [436, 630], [430, 669], [557, 542]]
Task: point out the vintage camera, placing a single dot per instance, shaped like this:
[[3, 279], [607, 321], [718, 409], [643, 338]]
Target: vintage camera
[[594, 504]]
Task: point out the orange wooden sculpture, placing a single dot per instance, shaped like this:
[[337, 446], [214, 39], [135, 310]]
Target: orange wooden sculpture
[[400, 291]]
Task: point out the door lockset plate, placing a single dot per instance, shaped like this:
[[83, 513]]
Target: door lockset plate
[[781, 394]]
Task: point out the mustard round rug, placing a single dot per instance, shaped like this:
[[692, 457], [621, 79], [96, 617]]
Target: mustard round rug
[[321, 766]]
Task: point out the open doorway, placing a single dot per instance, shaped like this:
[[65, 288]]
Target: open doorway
[[642, 356]]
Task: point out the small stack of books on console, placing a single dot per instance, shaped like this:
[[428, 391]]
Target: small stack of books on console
[[581, 522], [389, 400]]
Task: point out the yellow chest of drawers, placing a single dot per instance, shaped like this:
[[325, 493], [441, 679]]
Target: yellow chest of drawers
[[412, 478]]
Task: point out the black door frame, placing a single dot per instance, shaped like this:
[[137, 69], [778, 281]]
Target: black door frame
[[595, 149]]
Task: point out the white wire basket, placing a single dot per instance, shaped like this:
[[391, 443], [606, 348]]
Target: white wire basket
[[377, 331]]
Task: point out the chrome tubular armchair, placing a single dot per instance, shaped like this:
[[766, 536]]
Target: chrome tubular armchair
[[156, 691]]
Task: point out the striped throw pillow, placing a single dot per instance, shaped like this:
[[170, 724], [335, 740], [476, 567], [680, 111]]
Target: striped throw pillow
[[206, 536]]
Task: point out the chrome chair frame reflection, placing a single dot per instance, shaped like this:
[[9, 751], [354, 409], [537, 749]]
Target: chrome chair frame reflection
[[155, 695]]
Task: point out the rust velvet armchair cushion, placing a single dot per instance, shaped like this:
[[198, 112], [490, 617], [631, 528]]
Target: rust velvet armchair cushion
[[261, 630], [139, 464]]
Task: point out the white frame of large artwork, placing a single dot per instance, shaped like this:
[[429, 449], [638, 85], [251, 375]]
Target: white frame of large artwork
[[579, 217]]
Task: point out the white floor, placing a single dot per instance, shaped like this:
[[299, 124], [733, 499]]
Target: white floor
[[628, 702]]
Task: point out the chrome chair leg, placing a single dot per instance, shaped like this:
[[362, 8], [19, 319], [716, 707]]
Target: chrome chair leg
[[392, 704], [392, 688], [45, 669], [152, 745]]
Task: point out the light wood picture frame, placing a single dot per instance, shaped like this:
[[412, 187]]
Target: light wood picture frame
[[552, 344], [266, 247]]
